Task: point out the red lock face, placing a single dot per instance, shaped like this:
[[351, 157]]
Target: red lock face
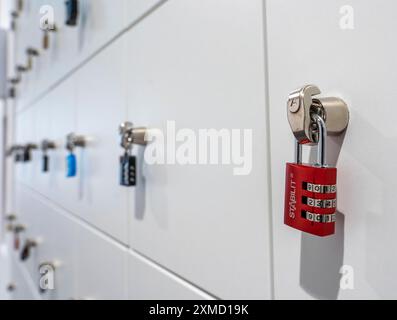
[[310, 199]]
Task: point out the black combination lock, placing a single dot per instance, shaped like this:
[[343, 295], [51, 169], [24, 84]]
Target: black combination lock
[[128, 170], [46, 145], [27, 152], [130, 136], [26, 155], [72, 12], [46, 163]]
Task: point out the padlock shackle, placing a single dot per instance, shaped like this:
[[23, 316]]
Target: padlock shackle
[[321, 146], [298, 152], [322, 141]]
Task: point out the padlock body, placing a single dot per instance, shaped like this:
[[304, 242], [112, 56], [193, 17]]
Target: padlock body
[[310, 199], [127, 170], [26, 156], [46, 163], [71, 12]]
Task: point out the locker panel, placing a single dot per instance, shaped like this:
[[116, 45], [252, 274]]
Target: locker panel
[[99, 257], [27, 35], [62, 103], [44, 123], [26, 133], [349, 59], [202, 222], [101, 200], [101, 20], [147, 281], [56, 234], [30, 215], [61, 252]]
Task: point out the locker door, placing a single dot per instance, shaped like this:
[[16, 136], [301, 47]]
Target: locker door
[[100, 267], [31, 215], [101, 200], [318, 42], [60, 232], [55, 234], [63, 121], [26, 133], [44, 109], [101, 20], [26, 35], [200, 63]]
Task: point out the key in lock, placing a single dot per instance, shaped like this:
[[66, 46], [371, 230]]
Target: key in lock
[[130, 136], [73, 141]]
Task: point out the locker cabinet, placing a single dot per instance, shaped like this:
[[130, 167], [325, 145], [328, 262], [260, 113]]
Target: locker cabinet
[[350, 63], [200, 63]]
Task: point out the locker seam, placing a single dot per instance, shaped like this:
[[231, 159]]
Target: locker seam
[[122, 246], [172, 273], [268, 153]]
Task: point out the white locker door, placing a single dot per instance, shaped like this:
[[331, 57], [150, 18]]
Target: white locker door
[[101, 200], [101, 20], [62, 106], [100, 267], [317, 42], [200, 64], [26, 133]]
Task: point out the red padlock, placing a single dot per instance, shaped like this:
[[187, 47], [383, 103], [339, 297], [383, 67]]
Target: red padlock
[[310, 191]]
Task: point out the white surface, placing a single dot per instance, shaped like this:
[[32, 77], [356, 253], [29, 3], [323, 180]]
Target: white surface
[[306, 45], [147, 281], [101, 200], [200, 63]]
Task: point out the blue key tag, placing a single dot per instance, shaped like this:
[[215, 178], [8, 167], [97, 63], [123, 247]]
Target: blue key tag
[[71, 165]]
